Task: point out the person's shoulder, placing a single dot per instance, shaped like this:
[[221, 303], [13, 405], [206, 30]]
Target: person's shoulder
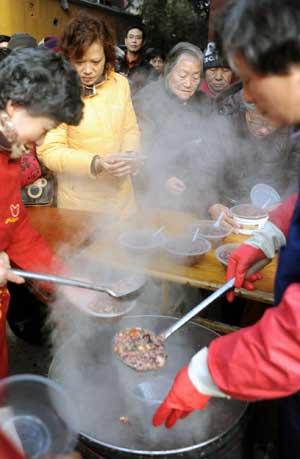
[[150, 97], [117, 79], [201, 97], [121, 63], [151, 90]]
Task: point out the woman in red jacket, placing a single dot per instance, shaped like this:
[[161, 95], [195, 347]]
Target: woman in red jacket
[[38, 90]]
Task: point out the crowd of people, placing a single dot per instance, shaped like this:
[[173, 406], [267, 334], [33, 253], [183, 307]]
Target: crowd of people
[[124, 126], [182, 112]]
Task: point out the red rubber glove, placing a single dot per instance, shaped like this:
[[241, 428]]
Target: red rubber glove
[[182, 399], [240, 261]]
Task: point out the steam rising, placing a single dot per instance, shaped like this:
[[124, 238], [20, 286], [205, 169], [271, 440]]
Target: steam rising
[[105, 389], [216, 165]]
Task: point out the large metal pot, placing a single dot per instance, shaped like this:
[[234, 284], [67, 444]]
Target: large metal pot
[[105, 390]]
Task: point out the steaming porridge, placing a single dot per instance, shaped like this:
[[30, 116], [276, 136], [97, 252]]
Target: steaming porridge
[[140, 349], [106, 304]]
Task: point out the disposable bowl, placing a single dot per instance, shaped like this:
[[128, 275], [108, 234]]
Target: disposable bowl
[[224, 251], [142, 242], [186, 252], [207, 230], [250, 217]]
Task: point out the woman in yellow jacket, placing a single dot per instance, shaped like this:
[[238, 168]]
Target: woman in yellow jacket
[[88, 176]]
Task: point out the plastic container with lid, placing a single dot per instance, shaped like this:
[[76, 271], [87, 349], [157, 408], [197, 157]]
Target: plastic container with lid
[[250, 217], [264, 196]]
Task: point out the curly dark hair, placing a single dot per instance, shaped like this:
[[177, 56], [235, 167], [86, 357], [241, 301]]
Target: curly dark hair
[[42, 82], [266, 32], [81, 32]]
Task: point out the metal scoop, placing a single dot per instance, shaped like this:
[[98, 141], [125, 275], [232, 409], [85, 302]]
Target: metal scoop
[[67, 281], [207, 301], [142, 354]]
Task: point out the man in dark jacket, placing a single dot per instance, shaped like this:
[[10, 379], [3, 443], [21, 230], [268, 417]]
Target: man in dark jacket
[[217, 73], [134, 64]]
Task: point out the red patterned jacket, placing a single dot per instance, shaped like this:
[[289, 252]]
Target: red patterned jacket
[[25, 247]]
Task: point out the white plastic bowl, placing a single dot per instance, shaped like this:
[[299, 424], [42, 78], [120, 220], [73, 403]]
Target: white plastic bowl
[[223, 252], [250, 217], [186, 252], [144, 242], [207, 230]]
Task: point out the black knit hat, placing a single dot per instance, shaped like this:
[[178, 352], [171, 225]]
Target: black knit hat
[[213, 58], [22, 40]]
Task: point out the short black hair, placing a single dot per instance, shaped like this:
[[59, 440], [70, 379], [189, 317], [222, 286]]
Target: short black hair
[[151, 53], [265, 32], [42, 82], [4, 38], [136, 26]]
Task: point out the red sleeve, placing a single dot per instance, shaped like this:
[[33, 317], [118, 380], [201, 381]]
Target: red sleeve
[[8, 450], [282, 215], [261, 361], [29, 251]]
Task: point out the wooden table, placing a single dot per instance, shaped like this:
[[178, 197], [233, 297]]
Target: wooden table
[[67, 230], [208, 274]]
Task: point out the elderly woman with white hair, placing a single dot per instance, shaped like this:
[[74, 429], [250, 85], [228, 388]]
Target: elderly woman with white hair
[[169, 113]]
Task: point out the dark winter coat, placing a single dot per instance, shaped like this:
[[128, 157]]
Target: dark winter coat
[[138, 75], [171, 132]]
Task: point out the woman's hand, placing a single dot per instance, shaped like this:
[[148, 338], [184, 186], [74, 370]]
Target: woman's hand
[[5, 272], [215, 210], [175, 186], [114, 166]]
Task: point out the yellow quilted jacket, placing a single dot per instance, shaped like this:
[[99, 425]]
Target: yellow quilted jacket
[[109, 126]]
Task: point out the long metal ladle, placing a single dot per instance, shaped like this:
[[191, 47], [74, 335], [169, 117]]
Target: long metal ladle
[[207, 301], [66, 281]]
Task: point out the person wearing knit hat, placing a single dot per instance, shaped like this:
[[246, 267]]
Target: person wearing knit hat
[[218, 75], [22, 40]]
